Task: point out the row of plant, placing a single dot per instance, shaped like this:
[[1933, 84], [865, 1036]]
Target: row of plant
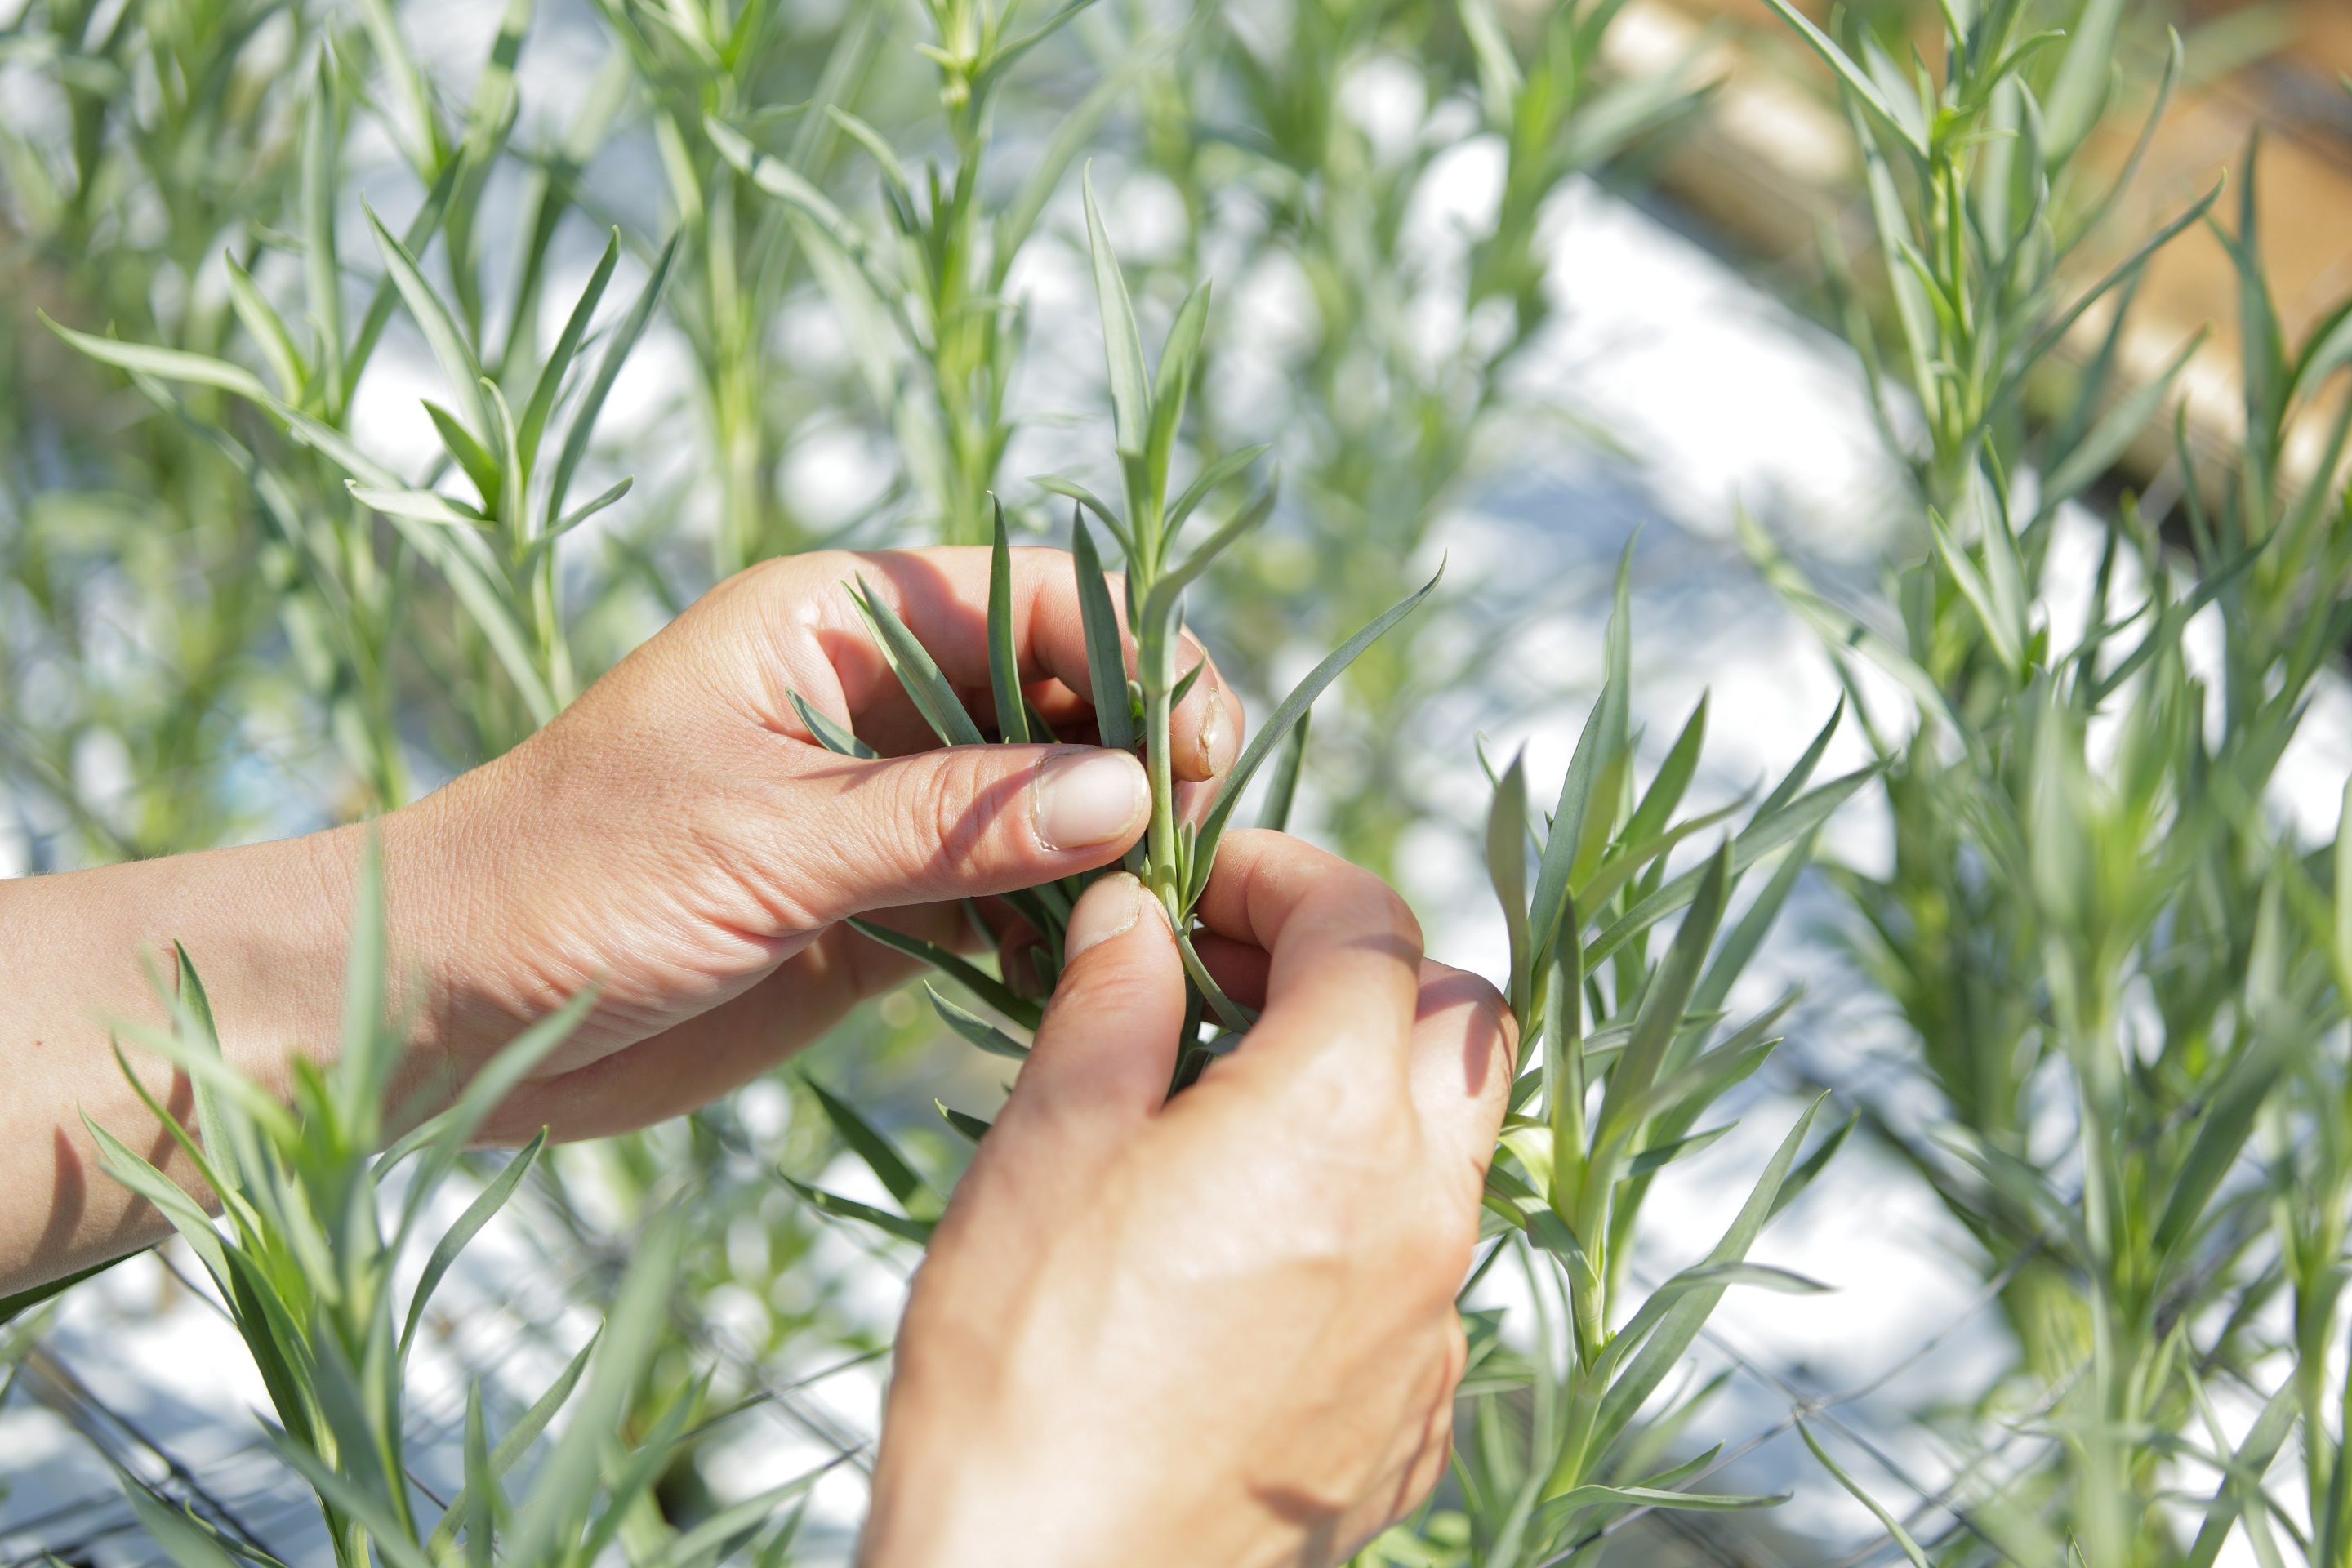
[[2088, 905]]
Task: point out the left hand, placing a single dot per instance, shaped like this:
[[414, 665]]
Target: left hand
[[678, 838]]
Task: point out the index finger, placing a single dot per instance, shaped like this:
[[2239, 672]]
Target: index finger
[[1343, 951]]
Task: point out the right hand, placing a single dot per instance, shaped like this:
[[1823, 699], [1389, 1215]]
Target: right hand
[[1218, 1328]]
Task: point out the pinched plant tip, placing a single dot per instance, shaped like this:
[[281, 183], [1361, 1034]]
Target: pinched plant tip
[[1174, 858]]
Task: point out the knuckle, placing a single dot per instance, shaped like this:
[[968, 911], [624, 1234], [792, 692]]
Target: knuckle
[[952, 801]]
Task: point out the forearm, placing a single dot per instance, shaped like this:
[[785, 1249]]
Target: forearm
[[265, 927]]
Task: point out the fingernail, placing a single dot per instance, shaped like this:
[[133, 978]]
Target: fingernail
[[1106, 909], [1215, 752], [1084, 797]]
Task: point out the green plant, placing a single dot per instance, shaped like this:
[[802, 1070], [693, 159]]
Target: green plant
[[1174, 858], [315, 1233], [1631, 1053], [938, 336], [1396, 381], [2088, 895], [123, 537]]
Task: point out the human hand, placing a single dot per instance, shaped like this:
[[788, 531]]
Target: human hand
[[1221, 1327], [678, 839]]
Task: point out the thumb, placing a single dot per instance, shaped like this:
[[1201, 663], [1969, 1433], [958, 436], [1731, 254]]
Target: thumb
[[1108, 1045], [966, 822]]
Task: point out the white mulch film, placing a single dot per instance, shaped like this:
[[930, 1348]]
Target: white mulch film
[[1716, 396]]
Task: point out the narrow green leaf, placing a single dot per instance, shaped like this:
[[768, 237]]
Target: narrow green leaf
[[2079, 94], [1759, 838], [1282, 789], [1815, 1164], [1732, 957], [1621, 867], [1507, 871], [1184, 684], [618, 346], [1645, 1497], [387, 293], [169, 365], [833, 737], [987, 987], [23, 1301], [888, 1165], [911, 663], [1601, 743], [1673, 776], [2252, 1459], [2343, 893], [188, 1541], [536, 412], [450, 349], [514, 1445], [1660, 1156], [1073, 491], [226, 1084], [1106, 650], [1893, 1525], [422, 506], [1857, 80], [1278, 726], [1633, 1387], [971, 1127], [580, 514], [322, 276], [1666, 999], [976, 1030], [267, 329], [1203, 485], [471, 455], [1130, 397], [2116, 429], [557, 1504], [905, 1229], [729, 1527], [1004, 661], [447, 1134], [2228, 1120], [482, 1492], [339, 1492], [2008, 640], [492, 1198], [485, 603], [1795, 778], [1161, 606], [1230, 1014]]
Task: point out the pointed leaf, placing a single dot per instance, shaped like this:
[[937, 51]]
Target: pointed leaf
[[1003, 662], [987, 987], [833, 737], [912, 664], [976, 1030], [1131, 398], [1278, 726], [1106, 650]]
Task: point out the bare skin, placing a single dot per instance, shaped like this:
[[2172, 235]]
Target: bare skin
[[1218, 1328], [676, 838], [1221, 1327]]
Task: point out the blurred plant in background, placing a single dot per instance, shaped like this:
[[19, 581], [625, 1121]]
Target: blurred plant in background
[[2118, 965], [1328, 150]]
